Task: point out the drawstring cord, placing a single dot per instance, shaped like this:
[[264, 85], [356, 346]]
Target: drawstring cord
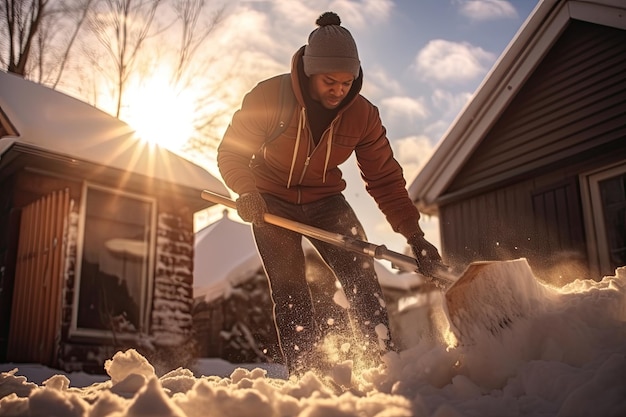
[[328, 148], [297, 145]]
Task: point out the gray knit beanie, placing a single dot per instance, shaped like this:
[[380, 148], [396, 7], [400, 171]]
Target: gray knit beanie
[[331, 48]]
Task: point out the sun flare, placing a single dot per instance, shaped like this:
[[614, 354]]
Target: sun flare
[[159, 113]]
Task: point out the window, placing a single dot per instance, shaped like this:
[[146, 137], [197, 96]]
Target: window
[[604, 202], [114, 263]]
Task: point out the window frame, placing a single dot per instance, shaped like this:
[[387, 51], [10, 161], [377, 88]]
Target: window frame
[[593, 212], [147, 283]]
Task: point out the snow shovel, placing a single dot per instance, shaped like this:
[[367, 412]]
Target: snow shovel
[[488, 296]]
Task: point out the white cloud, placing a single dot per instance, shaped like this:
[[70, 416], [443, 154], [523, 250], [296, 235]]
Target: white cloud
[[245, 48], [241, 26], [449, 104], [412, 153], [481, 10], [295, 16], [446, 100], [360, 14], [379, 83], [445, 61], [437, 129], [353, 14], [406, 107]]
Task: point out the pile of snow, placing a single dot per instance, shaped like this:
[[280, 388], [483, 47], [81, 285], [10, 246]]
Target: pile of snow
[[569, 359]]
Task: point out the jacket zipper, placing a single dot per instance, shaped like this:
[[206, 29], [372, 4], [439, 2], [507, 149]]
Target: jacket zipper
[[311, 152], [306, 164]]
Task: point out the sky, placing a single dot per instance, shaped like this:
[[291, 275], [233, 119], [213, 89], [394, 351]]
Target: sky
[[563, 355], [422, 61]]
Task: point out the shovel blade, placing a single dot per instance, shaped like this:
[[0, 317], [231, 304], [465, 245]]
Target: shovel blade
[[490, 297]]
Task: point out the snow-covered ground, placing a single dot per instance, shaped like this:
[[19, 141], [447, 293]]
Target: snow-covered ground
[[567, 357]]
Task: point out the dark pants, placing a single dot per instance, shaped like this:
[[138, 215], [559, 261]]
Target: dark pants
[[283, 259]]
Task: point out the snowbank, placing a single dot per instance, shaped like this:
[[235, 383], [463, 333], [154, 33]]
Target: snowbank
[[568, 359]]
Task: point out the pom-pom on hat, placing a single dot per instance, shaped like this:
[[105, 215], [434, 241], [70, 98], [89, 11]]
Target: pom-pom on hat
[[331, 48]]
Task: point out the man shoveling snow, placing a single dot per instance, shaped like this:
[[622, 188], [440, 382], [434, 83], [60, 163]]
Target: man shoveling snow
[[281, 155]]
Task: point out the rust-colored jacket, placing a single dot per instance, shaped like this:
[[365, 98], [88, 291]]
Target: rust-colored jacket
[[293, 168]]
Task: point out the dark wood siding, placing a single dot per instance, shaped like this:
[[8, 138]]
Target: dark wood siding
[[542, 224], [558, 222], [490, 226], [36, 309], [519, 193], [539, 218], [575, 101]]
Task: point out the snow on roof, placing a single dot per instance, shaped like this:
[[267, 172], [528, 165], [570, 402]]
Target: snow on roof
[[502, 83], [225, 255], [57, 123]]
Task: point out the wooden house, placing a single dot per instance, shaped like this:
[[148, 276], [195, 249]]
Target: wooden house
[[96, 233], [535, 164]]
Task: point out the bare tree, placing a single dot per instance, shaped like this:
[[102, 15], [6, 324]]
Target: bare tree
[[77, 13], [196, 25], [39, 35], [122, 27], [194, 31], [55, 40], [22, 18]]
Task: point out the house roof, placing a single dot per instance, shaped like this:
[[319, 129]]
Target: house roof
[[523, 54], [225, 254], [47, 120]]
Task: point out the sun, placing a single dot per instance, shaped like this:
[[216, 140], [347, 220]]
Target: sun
[[158, 112]]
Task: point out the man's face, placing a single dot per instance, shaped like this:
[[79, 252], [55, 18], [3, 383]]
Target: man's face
[[331, 88]]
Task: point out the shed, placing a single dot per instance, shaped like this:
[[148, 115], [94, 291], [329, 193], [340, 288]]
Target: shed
[[535, 164], [96, 233]]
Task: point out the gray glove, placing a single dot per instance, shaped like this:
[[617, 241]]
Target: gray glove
[[251, 207], [425, 253]]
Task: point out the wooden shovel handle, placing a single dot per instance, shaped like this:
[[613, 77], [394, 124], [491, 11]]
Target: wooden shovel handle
[[294, 226], [403, 262]]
